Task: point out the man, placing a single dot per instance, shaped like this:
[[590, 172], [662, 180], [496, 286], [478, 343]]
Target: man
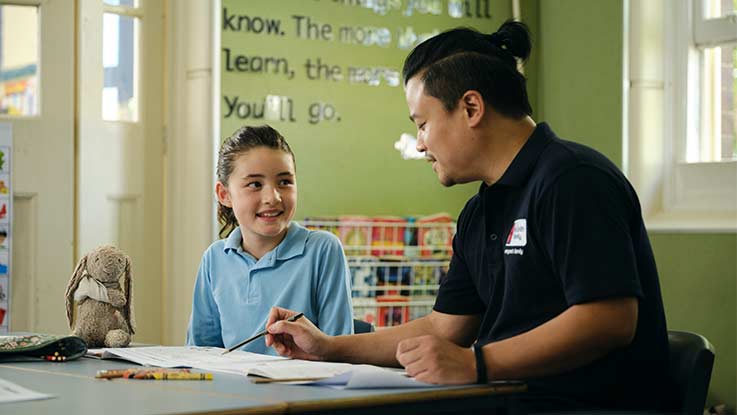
[[552, 278]]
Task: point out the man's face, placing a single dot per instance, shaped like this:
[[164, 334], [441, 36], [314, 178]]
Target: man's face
[[443, 136]]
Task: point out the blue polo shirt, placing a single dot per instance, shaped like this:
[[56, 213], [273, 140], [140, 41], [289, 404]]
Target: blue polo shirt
[[562, 226], [234, 292]]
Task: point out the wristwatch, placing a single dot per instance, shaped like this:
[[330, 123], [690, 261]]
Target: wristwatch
[[478, 352]]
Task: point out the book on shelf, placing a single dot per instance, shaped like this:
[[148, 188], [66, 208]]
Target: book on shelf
[[387, 235], [435, 240]]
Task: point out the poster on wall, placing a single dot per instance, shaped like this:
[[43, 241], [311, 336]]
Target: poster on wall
[[327, 75], [6, 212]]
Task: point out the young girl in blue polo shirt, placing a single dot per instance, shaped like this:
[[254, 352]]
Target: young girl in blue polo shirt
[[266, 260]]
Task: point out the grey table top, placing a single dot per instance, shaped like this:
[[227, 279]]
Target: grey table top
[[77, 392]]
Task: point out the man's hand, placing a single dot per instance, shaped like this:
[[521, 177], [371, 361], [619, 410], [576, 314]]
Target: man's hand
[[299, 339], [431, 359]]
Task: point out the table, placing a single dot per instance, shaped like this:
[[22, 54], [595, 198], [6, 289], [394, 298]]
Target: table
[[78, 392]]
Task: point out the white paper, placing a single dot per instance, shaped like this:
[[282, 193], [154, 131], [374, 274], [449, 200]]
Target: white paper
[[10, 392], [299, 369], [371, 377], [208, 358]]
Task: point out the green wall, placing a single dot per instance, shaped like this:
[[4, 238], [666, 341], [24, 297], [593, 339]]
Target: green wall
[[579, 92], [698, 276], [346, 166]]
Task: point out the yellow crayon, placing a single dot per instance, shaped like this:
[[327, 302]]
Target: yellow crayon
[[178, 376]]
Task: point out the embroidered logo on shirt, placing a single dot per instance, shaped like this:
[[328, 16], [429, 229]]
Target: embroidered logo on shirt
[[517, 237]]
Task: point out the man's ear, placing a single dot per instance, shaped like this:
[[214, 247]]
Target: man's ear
[[473, 107], [221, 191]]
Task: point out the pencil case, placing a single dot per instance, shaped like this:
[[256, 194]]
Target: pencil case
[[29, 347]]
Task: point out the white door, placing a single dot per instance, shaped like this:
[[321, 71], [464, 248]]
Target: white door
[[121, 151], [43, 162]]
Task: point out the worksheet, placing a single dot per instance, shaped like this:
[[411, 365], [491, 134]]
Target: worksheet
[[184, 356], [10, 392]]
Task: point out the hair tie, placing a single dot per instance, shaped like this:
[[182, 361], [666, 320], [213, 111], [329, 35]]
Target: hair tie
[[499, 40]]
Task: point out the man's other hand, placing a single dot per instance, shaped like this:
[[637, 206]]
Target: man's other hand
[[431, 359]]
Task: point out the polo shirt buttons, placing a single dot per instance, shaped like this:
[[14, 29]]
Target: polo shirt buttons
[[493, 237]]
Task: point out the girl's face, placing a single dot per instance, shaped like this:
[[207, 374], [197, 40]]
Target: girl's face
[[262, 191]]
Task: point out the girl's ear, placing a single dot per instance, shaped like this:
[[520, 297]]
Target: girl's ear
[[221, 191]]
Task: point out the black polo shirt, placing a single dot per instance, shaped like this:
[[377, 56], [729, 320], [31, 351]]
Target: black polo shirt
[[561, 227]]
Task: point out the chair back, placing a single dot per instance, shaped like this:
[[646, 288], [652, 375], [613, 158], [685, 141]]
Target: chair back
[[360, 326], [691, 362]]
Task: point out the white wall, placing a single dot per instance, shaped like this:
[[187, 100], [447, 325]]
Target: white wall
[[189, 194]]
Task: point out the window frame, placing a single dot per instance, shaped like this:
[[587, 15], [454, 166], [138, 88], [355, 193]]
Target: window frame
[[712, 31]]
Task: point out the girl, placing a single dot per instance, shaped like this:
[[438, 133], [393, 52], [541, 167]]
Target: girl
[[266, 260]]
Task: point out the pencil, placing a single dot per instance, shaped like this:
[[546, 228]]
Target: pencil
[[270, 380], [259, 334]]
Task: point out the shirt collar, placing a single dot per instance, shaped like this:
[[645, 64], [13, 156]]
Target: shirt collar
[[524, 162], [292, 245], [233, 242]]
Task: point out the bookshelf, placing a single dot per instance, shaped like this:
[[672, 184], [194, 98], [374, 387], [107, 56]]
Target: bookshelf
[[396, 263]]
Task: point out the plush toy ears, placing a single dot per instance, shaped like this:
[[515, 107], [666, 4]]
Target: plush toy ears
[[72, 287], [127, 309]]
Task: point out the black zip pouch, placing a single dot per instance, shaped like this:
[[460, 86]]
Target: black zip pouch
[[51, 347]]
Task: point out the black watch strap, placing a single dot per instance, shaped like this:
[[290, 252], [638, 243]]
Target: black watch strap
[[478, 352]]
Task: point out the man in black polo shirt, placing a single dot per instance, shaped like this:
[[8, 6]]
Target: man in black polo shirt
[[552, 278]]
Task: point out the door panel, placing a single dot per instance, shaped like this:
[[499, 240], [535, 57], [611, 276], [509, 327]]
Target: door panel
[[121, 162]]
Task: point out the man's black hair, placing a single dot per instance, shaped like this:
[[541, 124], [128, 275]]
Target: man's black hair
[[464, 59]]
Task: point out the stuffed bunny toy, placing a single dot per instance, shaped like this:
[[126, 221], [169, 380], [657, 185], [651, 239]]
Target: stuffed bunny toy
[[104, 308]]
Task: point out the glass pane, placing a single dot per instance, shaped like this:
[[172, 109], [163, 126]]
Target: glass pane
[[715, 138], [125, 3], [729, 103], [19, 70], [120, 65], [714, 9]]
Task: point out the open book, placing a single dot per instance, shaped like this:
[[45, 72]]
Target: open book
[[205, 358], [278, 368]]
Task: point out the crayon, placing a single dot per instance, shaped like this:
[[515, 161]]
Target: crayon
[[112, 373], [129, 373], [143, 373], [177, 376]]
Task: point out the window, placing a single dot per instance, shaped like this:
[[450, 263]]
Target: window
[[681, 143], [120, 28], [712, 128], [19, 70]]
